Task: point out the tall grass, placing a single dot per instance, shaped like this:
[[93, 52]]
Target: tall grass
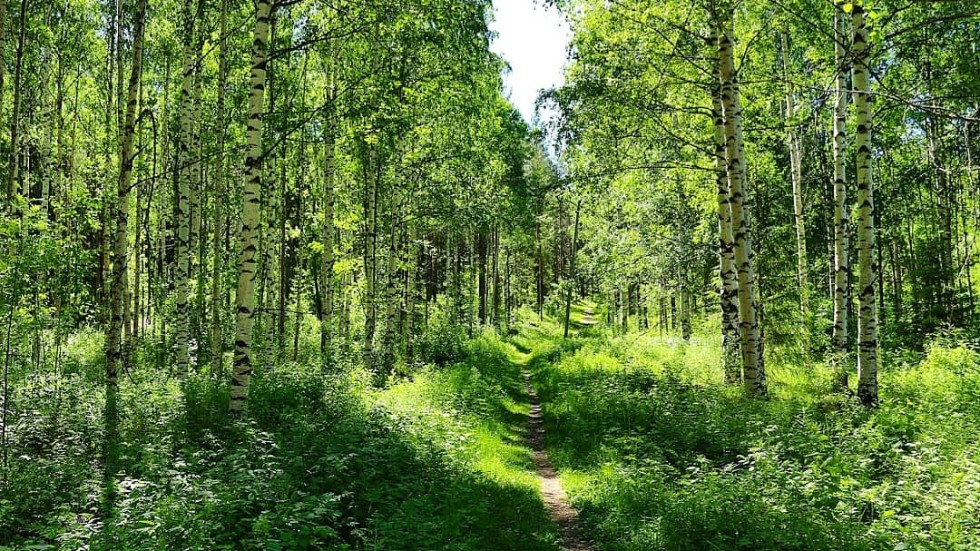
[[659, 455]]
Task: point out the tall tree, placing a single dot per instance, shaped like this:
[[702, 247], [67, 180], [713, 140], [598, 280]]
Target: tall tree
[[185, 181], [248, 247], [571, 267], [841, 254], [728, 290], [867, 269], [750, 331], [120, 264], [13, 168], [217, 251], [794, 145]]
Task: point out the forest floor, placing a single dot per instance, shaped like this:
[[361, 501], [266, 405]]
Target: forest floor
[[523, 443], [588, 316], [654, 452]]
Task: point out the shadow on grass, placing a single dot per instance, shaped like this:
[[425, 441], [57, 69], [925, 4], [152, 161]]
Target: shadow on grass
[[315, 465], [593, 409]]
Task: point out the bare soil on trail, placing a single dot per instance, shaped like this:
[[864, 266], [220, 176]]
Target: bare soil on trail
[[587, 317], [555, 500]]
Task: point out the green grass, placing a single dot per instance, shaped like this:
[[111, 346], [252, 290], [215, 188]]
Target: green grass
[[655, 452], [435, 462], [658, 454]]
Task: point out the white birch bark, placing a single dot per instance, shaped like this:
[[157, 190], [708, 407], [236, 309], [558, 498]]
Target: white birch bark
[[183, 222], [867, 270], [796, 178], [245, 293], [751, 339], [728, 291], [121, 241], [842, 267]]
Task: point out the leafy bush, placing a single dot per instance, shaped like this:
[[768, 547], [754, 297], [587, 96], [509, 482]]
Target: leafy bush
[[442, 343], [321, 461]]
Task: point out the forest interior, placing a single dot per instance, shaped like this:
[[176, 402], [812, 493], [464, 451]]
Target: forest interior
[[300, 274]]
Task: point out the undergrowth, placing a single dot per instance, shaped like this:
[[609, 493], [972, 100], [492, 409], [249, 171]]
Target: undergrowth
[[655, 452], [433, 461], [659, 455]]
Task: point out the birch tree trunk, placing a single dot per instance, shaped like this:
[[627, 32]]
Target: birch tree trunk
[[120, 76], [685, 314], [867, 271], [749, 328], [623, 302], [195, 253], [392, 296], [540, 269], [327, 238], [121, 240], [796, 179], [217, 290], [3, 62], [344, 322], [571, 268], [13, 171], [508, 297], [495, 279], [121, 260], [372, 174], [412, 256], [728, 291], [245, 293], [842, 268], [481, 266], [185, 176]]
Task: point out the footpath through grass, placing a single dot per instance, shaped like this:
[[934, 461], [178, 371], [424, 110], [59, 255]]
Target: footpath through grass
[[659, 455], [652, 449]]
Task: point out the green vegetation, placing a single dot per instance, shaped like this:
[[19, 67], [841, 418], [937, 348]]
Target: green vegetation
[[436, 461], [659, 454], [654, 449], [275, 274]]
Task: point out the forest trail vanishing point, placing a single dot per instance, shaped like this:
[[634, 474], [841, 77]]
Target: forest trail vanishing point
[[588, 317]]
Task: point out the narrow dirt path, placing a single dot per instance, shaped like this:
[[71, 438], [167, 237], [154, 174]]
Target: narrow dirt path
[[588, 317], [555, 500]]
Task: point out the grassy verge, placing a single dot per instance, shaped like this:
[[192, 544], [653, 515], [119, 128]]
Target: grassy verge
[[657, 454], [433, 462]]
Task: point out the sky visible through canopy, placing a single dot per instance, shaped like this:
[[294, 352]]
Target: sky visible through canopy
[[533, 39]]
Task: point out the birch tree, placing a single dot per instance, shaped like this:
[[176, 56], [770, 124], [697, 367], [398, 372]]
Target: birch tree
[[841, 257], [121, 256], [185, 177], [248, 247], [867, 269], [217, 250], [728, 290], [793, 144], [751, 339], [120, 261]]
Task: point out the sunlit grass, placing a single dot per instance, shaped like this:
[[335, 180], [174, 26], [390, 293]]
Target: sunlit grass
[[437, 405], [659, 454]]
